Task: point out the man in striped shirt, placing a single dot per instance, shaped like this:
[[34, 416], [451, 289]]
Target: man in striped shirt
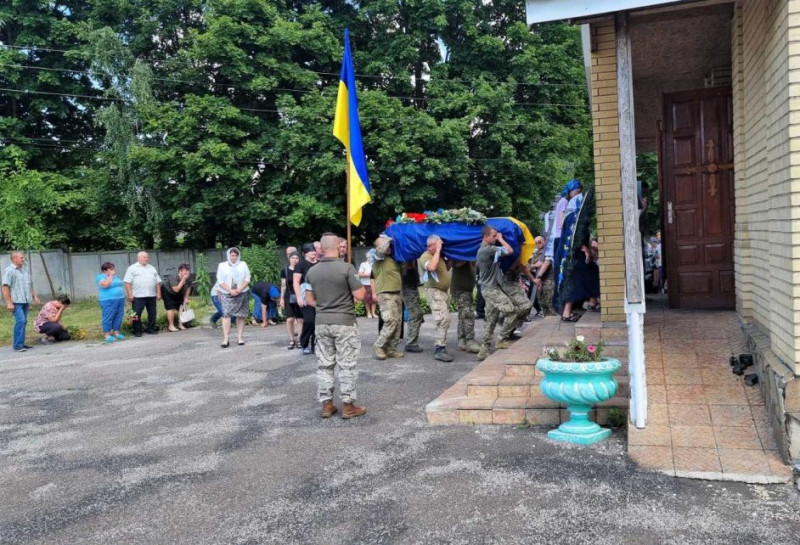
[[18, 293]]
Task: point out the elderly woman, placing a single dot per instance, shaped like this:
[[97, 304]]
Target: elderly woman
[[175, 293], [111, 296], [233, 276]]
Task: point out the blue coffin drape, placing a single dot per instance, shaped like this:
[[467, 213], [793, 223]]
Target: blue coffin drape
[[461, 241]]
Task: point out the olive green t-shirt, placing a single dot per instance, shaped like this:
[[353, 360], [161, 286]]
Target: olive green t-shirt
[[333, 283], [387, 275], [463, 278], [441, 271]]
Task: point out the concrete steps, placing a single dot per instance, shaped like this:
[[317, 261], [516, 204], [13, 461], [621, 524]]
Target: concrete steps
[[504, 388]]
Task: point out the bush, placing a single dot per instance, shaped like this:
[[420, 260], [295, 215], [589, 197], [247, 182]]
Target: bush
[[202, 280], [264, 262]]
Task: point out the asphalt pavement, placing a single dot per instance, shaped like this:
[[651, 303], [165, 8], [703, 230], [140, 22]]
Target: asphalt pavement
[[170, 439]]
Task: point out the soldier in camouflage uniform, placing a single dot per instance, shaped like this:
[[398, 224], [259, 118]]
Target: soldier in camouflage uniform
[[462, 284], [491, 282], [334, 285], [545, 284], [515, 292], [413, 304], [437, 282], [388, 285]]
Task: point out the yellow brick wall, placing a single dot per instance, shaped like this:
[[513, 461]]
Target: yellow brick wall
[[608, 184], [766, 59]]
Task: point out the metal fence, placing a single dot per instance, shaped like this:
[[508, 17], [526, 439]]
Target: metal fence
[[74, 273]]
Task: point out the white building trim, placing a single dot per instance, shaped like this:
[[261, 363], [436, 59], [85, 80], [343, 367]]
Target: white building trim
[[543, 11]]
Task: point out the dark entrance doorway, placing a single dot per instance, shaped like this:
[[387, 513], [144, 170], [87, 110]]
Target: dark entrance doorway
[[697, 198]]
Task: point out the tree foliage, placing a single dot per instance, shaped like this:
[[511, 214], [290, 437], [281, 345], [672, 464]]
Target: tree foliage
[[199, 123]]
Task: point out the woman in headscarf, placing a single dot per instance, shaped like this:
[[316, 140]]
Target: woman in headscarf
[[233, 277], [570, 197], [579, 276]]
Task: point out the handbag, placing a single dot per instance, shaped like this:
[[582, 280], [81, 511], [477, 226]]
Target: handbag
[[186, 315]]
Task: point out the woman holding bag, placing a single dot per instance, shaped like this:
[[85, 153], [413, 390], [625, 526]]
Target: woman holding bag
[[233, 276], [294, 318], [175, 292]]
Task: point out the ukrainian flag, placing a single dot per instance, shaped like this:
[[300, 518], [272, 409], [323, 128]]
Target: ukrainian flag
[[348, 130]]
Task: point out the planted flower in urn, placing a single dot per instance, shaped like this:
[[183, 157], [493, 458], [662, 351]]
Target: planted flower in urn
[[578, 376]]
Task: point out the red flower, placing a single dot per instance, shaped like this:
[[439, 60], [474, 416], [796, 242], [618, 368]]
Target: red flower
[[389, 222]]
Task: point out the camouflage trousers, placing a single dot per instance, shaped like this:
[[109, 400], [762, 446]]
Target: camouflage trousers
[[545, 295], [439, 301], [466, 314], [412, 302], [391, 305], [497, 304], [521, 302], [337, 346]]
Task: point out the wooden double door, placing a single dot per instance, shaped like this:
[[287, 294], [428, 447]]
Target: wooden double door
[[697, 198]]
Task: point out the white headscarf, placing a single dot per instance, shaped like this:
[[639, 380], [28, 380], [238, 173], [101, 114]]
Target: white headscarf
[[233, 274]]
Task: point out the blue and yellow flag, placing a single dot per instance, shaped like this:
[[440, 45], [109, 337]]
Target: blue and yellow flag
[[348, 130]]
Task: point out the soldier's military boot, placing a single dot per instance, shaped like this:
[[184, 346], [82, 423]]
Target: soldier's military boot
[[483, 353], [473, 347], [504, 343], [462, 345], [328, 409], [351, 410], [380, 353], [394, 354], [413, 347], [441, 354]]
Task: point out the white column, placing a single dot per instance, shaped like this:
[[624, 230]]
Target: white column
[[634, 270]]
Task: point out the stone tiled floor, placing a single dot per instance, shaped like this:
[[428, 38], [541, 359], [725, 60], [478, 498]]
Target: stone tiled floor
[[703, 421]]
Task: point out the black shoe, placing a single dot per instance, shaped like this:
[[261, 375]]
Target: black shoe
[[480, 316], [137, 334], [152, 332], [20, 349], [27, 346]]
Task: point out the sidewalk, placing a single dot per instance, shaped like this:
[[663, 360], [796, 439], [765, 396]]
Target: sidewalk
[[703, 422]]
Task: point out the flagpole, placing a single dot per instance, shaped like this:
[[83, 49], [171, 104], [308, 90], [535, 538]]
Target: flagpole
[[347, 219]]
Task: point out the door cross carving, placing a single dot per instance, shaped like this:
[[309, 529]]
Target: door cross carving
[[711, 168]]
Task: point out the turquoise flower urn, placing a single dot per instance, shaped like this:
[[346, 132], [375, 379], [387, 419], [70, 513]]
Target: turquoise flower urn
[[579, 386]]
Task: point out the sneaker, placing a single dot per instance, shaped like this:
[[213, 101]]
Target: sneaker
[[20, 349], [503, 344], [380, 353], [306, 351], [110, 339], [120, 336], [45, 340], [272, 322], [27, 346], [351, 410], [483, 353], [413, 347], [394, 354], [441, 354]]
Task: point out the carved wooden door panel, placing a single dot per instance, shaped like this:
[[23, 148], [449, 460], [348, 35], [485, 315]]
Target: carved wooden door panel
[[697, 198]]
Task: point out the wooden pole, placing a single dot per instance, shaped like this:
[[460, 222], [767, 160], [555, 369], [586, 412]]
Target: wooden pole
[[634, 287], [347, 219]]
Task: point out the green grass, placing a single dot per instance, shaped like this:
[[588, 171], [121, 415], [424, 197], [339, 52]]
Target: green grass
[[86, 315]]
